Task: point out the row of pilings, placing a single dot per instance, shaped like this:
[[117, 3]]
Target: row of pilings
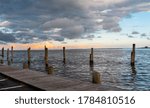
[[96, 77]]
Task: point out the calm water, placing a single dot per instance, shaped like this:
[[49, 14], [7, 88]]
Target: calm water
[[113, 65]]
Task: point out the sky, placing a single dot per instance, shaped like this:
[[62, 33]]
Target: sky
[[74, 23]]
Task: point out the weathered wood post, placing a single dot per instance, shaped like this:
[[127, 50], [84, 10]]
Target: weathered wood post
[[133, 55], [3, 52], [96, 77], [50, 69], [25, 65], [12, 54], [46, 57], [2, 59], [91, 58], [8, 61], [64, 55], [29, 57]]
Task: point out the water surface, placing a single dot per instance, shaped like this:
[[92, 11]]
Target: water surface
[[113, 65]]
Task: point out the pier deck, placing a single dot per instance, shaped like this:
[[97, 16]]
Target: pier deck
[[47, 82]]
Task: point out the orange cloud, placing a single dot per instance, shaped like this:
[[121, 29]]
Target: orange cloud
[[34, 46], [50, 45]]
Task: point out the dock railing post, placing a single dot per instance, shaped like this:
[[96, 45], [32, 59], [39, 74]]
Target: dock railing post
[[64, 55], [133, 55], [46, 57], [29, 56]]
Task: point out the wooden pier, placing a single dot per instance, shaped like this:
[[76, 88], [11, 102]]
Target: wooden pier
[[47, 82]]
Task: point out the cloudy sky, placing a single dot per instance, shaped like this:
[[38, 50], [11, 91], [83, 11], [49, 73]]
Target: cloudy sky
[[74, 23]]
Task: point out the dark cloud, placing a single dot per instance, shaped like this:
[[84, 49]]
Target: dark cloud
[[148, 38], [135, 32], [7, 38], [73, 32], [99, 36], [68, 28], [143, 34], [58, 38], [42, 20], [111, 24], [130, 36], [90, 37]]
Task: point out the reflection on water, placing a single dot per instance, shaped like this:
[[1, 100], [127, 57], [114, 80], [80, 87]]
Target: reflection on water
[[133, 74], [113, 65], [133, 69]]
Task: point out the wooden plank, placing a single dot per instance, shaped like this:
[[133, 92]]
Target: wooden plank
[[54, 86], [50, 82], [26, 76], [24, 72], [12, 87], [57, 83], [4, 68], [81, 87]]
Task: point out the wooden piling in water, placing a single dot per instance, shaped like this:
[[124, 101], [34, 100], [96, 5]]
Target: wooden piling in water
[[64, 55], [7, 54], [1, 61], [91, 58], [3, 52], [46, 57], [25, 66], [12, 54], [8, 61], [96, 77], [29, 56], [50, 69], [133, 55]]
